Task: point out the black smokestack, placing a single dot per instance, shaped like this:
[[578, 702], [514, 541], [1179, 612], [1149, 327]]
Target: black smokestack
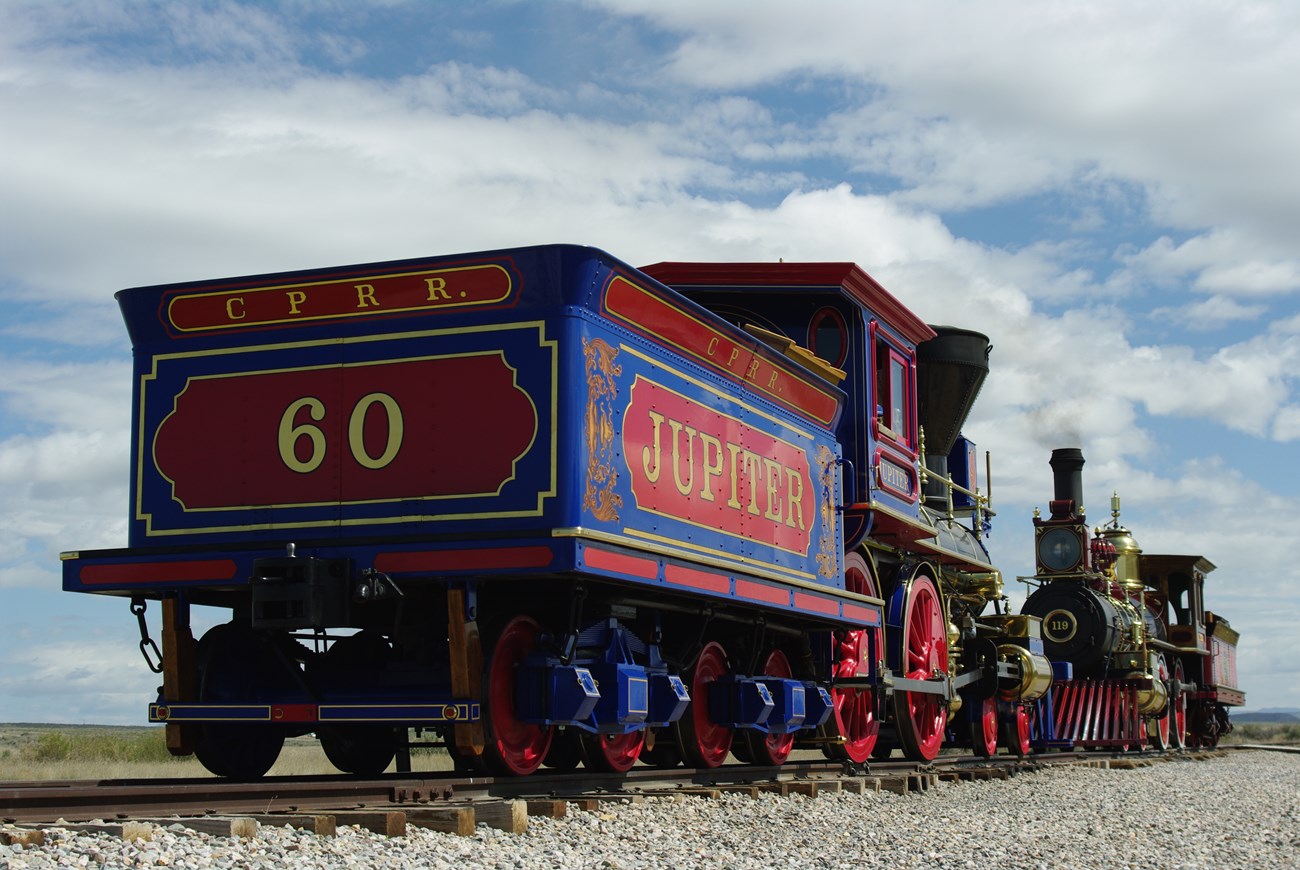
[[1067, 474]]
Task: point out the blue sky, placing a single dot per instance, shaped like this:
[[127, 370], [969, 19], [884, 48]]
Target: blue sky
[[1107, 189]]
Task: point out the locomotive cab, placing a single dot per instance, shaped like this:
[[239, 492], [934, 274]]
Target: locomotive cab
[[913, 515]]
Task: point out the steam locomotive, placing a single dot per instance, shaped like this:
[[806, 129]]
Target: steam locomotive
[[550, 509], [1150, 663]]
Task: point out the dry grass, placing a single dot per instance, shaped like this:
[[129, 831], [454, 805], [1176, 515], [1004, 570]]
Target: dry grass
[[96, 752]]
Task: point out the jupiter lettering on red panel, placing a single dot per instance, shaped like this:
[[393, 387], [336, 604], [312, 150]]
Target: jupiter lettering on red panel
[[696, 464]]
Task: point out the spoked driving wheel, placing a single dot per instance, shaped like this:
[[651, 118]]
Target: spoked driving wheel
[[855, 729], [512, 746], [703, 742], [1015, 732], [984, 728], [1158, 729], [921, 717], [771, 749], [613, 753], [235, 666], [1178, 706]]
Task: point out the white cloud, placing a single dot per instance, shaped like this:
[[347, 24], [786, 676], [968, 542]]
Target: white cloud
[[97, 680], [1286, 425], [1210, 314], [1196, 110], [1222, 261]]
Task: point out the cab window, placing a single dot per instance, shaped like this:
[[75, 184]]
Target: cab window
[[894, 401]]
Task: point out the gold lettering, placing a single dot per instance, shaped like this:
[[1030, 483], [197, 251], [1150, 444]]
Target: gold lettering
[[735, 352], [652, 473], [771, 382], [710, 469], [752, 370], [684, 487], [726, 471], [772, 471], [794, 496], [713, 345], [230, 308], [296, 298], [753, 470], [366, 296], [733, 451], [437, 289]]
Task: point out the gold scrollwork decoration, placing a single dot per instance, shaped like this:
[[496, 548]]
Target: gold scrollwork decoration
[[602, 368], [828, 552]]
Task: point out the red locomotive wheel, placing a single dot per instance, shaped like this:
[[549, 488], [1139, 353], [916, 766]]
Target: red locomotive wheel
[[513, 746], [613, 753], [771, 749], [1158, 729], [920, 717], [984, 729], [855, 709], [703, 742], [1015, 733], [1178, 702]]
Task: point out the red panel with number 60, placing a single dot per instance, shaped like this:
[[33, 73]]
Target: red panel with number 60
[[407, 429]]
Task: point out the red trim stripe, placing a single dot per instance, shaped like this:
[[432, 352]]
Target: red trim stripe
[[860, 614], [707, 581], [816, 603], [125, 573], [762, 592], [621, 563], [463, 560]]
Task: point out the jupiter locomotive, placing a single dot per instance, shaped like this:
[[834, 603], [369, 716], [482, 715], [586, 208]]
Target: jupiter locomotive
[[552, 509]]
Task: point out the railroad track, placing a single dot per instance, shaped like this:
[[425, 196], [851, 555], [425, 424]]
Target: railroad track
[[458, 802]]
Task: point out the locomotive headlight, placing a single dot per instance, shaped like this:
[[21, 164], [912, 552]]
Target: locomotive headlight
[[1059, 549]]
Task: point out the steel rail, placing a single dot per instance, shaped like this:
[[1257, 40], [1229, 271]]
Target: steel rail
[[31, 802]]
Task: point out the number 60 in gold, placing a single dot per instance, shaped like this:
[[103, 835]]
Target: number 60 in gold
[[290, 433]]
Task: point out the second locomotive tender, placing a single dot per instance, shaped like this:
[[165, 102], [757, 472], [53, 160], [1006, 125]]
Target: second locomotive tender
[[554, 508]]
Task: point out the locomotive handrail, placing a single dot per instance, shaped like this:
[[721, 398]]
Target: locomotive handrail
[[983, 505]]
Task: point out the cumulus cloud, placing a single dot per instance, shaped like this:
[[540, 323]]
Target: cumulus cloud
[[1221, 261], [1209, 314], [102, 680]]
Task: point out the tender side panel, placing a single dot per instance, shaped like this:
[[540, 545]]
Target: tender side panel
[[346, 434], [681, 464]]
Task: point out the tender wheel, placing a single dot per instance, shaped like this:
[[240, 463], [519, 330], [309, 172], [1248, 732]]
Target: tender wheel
[[613, 753], [1178, 707], [365, 749], [1015, 732], [984, 729], [704, 743], [770, 749], [512, 746], [232, 664], [854, 719], [921, 718], [1158, 729]]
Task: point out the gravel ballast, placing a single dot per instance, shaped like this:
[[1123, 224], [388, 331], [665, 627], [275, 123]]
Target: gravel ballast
[[1240, 810]]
